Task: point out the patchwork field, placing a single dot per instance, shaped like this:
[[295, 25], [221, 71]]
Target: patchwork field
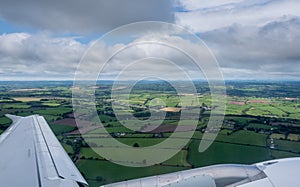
[[262, 122]]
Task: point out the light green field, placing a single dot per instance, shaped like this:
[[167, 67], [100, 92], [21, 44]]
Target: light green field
[[289, 109], [256, 111], [295, 116], [50, 104], [54, 111], [16, 106], [235, 109]]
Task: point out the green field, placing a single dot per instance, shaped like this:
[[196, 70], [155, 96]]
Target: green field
[[5, 121], [60, 129], [16, 106], [287, 145], [142, 142], [89, 153], [178, 160], [256, 114], [244, 137], [111, 172], [260, 126], [283, 154], [219, 153], [68, 148], [54, 111], [50, 104]]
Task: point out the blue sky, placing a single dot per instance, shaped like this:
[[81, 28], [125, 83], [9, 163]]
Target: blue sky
[[257, 39]]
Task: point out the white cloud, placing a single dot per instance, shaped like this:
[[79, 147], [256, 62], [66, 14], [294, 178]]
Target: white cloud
[[146, 50], [38, 56], [216, 15], [41, 56], [204, 4]]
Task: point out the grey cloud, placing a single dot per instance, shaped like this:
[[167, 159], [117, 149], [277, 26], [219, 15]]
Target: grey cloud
[[272, 49], [77, 16]]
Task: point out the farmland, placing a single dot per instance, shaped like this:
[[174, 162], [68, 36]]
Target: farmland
[[262, 122]]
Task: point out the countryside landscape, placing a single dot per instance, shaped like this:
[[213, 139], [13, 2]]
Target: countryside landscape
[[262, 122]]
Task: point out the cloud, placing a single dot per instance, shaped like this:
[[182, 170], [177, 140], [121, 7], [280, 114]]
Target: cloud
[[267, 51], [256, 39], [146, 56], [42, 56], [191, 5], [216, 14], [251, 39], [77, 16], [32, 57]]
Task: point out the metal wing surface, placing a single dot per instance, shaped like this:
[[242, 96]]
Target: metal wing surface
[[30, 155]]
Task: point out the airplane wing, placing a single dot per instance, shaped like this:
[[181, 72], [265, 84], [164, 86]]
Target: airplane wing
[[30, 155], [275, 173]]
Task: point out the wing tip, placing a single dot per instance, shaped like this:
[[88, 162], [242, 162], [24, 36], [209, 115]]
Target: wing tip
[[14, 118]]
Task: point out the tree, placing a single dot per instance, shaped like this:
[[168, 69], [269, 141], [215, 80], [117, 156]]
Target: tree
[[99, 178], [136, 145]]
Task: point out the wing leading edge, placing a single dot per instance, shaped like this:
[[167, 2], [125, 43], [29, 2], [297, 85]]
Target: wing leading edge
[[32, 156]]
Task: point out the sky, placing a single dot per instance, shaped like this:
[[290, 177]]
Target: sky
[[250, 39]]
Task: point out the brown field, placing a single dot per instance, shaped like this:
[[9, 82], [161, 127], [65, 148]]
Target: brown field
[[85, 126], [171, 109], [29, 90], [236, 103], [72, 122], [277, 136], [258, 101], [293, 137], [66, 121]]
